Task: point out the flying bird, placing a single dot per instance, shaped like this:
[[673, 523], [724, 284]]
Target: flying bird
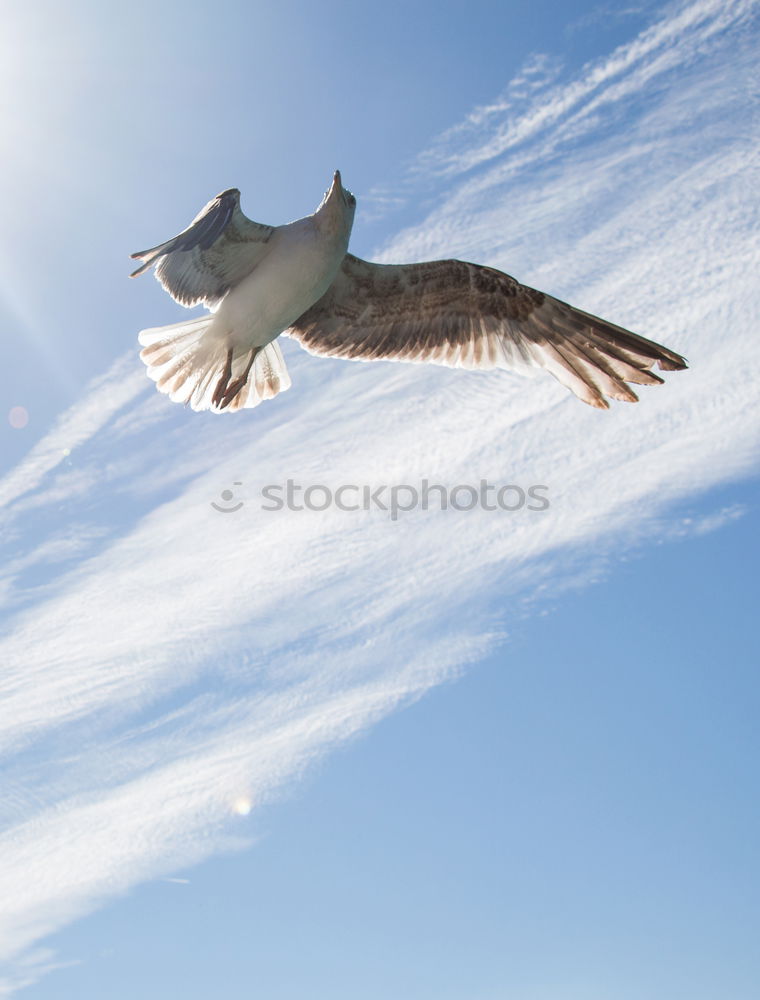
[[261, 281]]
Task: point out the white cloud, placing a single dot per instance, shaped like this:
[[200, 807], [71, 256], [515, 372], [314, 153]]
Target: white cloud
[[705, 524], [670, 43], [322, 623]]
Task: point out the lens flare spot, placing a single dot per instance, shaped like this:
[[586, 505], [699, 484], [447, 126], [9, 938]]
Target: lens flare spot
[[18, 417], [242, 806]]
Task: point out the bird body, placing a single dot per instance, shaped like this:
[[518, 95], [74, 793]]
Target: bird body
[[261, 281], [301, 262]]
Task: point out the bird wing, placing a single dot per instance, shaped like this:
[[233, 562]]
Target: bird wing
[[216, 251], [462, 315]]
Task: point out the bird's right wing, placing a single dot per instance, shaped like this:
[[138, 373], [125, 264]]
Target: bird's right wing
[[216, 251], [462, 315]]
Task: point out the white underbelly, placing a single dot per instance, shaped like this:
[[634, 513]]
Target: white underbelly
[[287, 281]]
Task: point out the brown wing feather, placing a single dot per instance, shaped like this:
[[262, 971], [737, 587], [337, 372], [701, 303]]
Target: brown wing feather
[[463, 315]]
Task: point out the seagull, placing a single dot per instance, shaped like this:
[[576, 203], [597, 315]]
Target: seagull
[[261, 281]]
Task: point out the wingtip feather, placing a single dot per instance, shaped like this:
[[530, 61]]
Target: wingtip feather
[[672, 365], [141, 269], [598, 404]]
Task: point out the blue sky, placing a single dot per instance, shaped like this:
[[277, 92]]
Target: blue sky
[[328, 754]]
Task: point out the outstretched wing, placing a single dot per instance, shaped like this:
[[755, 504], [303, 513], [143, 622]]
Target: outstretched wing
[[463, 315], [216, 251]]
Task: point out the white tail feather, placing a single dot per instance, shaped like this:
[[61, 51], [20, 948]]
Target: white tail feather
[[186, 361]]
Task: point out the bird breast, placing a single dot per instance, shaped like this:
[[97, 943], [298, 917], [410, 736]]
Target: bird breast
[[299, 268]]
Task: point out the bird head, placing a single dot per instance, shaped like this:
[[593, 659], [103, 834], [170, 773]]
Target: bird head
[[339, 202]]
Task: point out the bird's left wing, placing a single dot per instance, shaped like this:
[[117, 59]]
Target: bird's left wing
[[216, 251], [462, 315]]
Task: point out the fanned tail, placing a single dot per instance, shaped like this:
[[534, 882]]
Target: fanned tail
[[186, 361]]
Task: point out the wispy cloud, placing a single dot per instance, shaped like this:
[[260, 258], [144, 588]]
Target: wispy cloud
[[104, 397], [603, 13], [704, 524], [668, 44], [182, 660]]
